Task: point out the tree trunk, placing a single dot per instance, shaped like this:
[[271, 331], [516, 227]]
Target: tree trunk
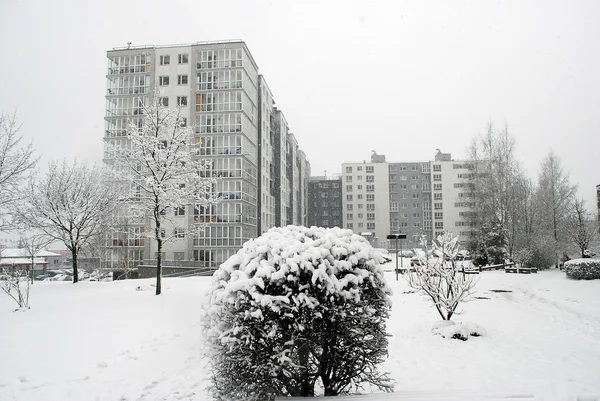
[[75, 271], [303, 361], [159, 265]]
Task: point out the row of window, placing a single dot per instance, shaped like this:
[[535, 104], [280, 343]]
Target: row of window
[[369, 178], [370, 197], [368, 169], [166, 59], [370, 188], [370, 226], [370, 206], [164, 80]]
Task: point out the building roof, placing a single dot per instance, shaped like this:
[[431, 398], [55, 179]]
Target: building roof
[[23, 253]]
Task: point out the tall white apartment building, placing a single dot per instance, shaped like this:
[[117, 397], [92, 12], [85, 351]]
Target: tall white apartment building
[[451, 183], [237, 128], [365, 199]]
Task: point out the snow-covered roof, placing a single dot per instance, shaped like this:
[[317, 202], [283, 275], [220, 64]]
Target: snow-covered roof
[[21, 261], [23, 253]]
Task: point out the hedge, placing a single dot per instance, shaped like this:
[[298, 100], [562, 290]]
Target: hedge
[[583, 269]]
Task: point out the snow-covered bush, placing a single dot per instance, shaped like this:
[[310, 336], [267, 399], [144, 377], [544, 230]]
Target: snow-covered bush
[[459, 331], [441, 278], [583, 269], [294, 306]]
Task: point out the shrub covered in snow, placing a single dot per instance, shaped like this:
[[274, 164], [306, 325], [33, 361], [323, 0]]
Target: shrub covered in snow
[[441, 278], [460, 331], [583, 269], [297, 305]]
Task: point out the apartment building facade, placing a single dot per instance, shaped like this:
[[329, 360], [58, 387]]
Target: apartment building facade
[[325, 202], [365, 201], [415, 198], [220, 92]]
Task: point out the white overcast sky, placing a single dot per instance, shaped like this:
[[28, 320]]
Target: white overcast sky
[[400, 77]]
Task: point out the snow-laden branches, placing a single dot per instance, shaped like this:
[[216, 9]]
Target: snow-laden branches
[[16, 161], [581, 227], [294, 306], [15, 284], [440, 277], [66, 204], [159, 169]]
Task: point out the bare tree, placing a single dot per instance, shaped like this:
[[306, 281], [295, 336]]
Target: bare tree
[[160, 165], [33, 244], [15, 283], [440, 277], [496, 177], [67, 205], [581, 227], [554, 197], [16, 160]]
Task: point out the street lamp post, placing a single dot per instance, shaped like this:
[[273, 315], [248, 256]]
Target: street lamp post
[[396, 237]]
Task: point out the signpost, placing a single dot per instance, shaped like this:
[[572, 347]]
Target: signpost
[[397, 237]]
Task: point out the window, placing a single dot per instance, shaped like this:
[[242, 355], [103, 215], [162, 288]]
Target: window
[[370, 169], [164, 101], [371, 197], [437, 187], [349, 197], [370, 216], [414, 168], [359, 168], [165, 60], [437, 177], [360, 216], [439, 225], [393, 206], [183, 59], [360, 205], [359, 196], [349, 188], [182, 79], [180, 211], [415, 196], [416, 215], [182, 101], [414, 186], [437, 205], [349, 216], [370, 178], [437, 167], [439, 215], [349, 169], [349, 206], [370, 226], [349, 226], [163, 80], [348, 178], [359, 187], [370, 206], [437, 196], [359, 178]]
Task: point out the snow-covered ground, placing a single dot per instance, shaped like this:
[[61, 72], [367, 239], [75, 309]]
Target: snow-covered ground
[[109, 341]]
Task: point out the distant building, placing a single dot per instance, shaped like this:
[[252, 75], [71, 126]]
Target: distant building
[[415, 198], [13, 259], [325, 202]]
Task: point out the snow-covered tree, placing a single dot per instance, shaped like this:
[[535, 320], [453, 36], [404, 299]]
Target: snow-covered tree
[[295, 307], [440, 277], [555, 195], [16, 161], [158, 162], [581, 226], [66, 204], [16, 285], [33, 244], [496, 176]]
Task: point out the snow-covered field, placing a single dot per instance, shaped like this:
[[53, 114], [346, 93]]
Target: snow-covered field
[[109, 341]]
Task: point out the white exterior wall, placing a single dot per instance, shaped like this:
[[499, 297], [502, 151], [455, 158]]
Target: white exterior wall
[[355, 175]]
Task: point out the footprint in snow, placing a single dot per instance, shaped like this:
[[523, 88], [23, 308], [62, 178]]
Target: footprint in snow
[[102, 365]]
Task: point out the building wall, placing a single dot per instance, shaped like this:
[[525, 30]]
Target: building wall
[[232, 110], [365, 203], [325, 202], [410, 201]]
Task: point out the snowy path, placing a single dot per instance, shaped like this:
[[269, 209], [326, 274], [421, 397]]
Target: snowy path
[[107, 341]]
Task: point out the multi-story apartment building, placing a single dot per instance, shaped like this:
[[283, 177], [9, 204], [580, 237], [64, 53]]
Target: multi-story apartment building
[[452, 186], [262, 171], [413, 198], [410, 201], [325, 201], [365, 201]]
